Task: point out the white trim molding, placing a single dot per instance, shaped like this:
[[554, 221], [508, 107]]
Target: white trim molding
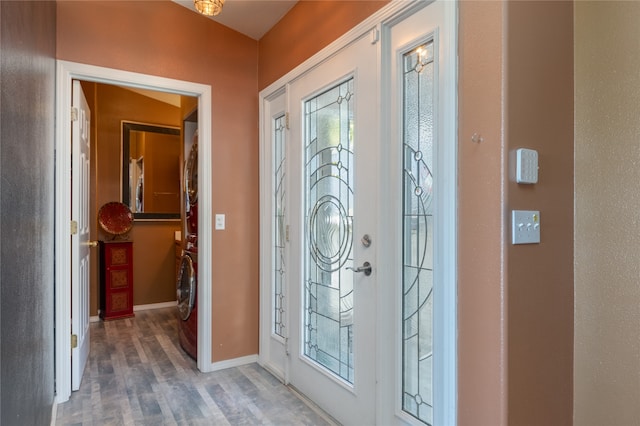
[[235, 362], [150, 306], [66, 73]]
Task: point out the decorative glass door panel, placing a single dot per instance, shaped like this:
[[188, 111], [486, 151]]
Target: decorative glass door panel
[[417, 287], [331, 305], [279, 204], [328, 286], [274, 260]]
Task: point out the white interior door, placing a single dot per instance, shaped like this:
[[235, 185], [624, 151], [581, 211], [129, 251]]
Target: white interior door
[[80, 244], [334, 145]]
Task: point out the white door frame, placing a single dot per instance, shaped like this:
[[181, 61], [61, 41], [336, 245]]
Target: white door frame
[[441, 23], [66, 72]]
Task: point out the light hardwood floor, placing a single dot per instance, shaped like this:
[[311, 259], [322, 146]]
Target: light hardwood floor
[[137, 374]]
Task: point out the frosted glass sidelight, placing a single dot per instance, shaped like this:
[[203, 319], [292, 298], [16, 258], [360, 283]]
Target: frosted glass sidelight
[[328, 286], [417, 286], [278, 225]]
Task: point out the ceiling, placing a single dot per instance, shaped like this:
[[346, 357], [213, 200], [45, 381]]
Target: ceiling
[[250, 17]]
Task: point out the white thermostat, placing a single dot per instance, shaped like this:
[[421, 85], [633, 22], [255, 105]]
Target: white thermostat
[[526, 166]]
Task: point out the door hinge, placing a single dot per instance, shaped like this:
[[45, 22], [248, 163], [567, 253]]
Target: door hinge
[[286, 233], [286, 346], [74, 227], [74, 341], [74, 114], [375, 36], [286, 120]]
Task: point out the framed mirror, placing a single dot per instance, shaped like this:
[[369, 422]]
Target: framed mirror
[[150, 170]]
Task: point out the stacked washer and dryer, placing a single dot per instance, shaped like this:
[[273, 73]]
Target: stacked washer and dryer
[[187, 284]]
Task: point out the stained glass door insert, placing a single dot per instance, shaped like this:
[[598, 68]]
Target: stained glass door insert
[[332, 199], [417, 289], [328, 285], [279, 207]]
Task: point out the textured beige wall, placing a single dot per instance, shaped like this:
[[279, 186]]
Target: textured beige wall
[[607, 206]]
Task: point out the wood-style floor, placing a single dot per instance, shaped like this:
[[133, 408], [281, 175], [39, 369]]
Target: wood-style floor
[[137, 374]]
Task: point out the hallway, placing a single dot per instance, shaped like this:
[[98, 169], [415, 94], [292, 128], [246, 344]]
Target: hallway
[[138, 374]]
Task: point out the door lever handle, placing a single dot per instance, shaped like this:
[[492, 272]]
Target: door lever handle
[[366, 268], [92, 243]]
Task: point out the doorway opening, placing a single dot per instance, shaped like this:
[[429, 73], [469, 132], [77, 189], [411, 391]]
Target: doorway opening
[[66, 73], [140, 141]]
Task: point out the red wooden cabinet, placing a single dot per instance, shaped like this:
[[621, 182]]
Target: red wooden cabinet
[[116, 279]]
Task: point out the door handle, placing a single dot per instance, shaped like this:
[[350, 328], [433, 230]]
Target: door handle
[[366, 268], [92, 243]]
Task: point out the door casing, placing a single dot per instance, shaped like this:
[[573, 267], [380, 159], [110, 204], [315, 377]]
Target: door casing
[[66, 73]]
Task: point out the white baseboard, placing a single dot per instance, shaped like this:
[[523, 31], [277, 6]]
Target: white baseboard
[[149, 306], [137, 308], [228, 363]]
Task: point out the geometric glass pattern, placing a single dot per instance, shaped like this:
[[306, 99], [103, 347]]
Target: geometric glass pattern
[[417, 241], [279, 226], [328, 286]]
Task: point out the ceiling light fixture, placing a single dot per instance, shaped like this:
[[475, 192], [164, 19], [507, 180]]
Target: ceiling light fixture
[[209, 7]]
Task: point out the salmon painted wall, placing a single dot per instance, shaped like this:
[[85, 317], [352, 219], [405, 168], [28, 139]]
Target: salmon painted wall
[[165, 39], [539, 112], [313, 25], [482, 284]]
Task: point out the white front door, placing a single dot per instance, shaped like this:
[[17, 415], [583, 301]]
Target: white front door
[[334, 145], [80, 244], [366, 172]]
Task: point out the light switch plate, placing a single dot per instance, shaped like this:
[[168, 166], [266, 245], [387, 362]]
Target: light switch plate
[[526, 166], [525, 227], [220, 219]]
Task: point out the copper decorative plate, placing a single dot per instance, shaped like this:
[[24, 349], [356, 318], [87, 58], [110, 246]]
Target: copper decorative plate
[[115, 218]]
